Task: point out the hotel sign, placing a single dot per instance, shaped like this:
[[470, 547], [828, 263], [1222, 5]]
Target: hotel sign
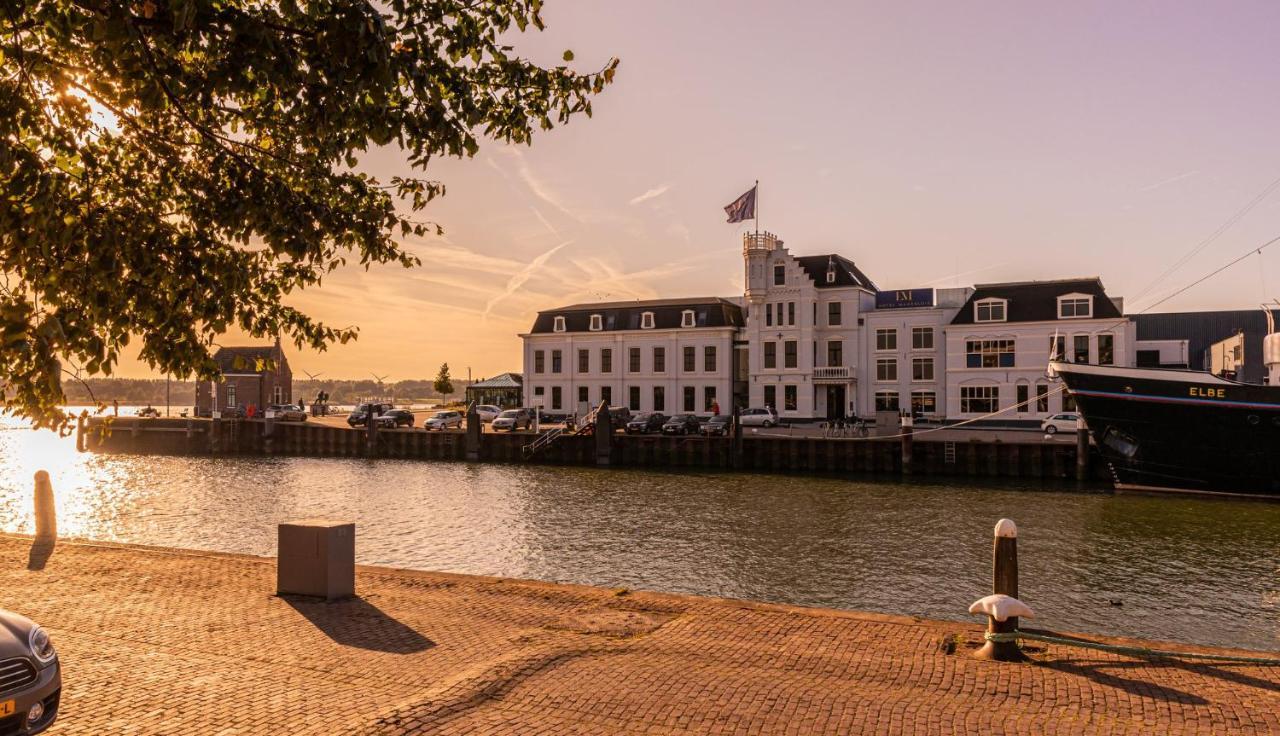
[[903, 298]]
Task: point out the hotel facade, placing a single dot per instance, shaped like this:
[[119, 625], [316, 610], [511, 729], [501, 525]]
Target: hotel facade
[[816, 339]]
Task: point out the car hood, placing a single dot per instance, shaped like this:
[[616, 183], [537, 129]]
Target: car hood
[[14, 630]]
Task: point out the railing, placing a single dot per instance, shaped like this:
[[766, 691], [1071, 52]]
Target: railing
[[585, 425], [834, 373], [760, 241]]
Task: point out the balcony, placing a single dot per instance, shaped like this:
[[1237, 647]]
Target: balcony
[[837, 374]]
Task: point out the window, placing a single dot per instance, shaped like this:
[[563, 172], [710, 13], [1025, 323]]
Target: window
[[633, 360], [708, 397], [886, 369], [831, 277], [584, 361], [1106, 349], [538, 391], [597, 323], [1023, 397], [791, 313], [779, 275], [924, 402], [1080, 343], [556, 365], [686, 318], [1074, 306], [606, 360], [768, 315], [771, 397], [835, 353], [690, 359], [555, 397], [789, 394], [659, 360], [771, 354], [1057, 347], [231, 395], [539, 361], [789, 358], [833, 313], [979, 399], [690, 395], [559, 324], [582, 395], [709, 358], [646, 320], [887, 338], [886, 401], [1042, 398], [606, 394], [989, 310], [922, 369], [922, 338], [633, 398], [1068, 402], [988, 353], [659, 398]]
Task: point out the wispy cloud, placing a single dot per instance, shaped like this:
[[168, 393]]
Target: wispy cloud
[[523, 276], [542, 218], [1170, 180], [657, 191]]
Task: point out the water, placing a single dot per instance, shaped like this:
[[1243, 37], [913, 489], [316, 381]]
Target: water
[[1184, 569]]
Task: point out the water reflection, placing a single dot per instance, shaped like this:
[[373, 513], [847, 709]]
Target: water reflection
[[1172, 568]]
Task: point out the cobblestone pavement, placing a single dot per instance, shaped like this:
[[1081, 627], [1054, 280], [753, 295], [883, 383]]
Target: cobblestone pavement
[[171, 642]]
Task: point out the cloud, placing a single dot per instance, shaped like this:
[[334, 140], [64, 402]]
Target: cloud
[[519, 280], [657, 191], [1170, 180]]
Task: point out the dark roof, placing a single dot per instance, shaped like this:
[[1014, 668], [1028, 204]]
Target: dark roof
[[847, 274], [245, 359], [502, 380], [708, 312], [1037, 301]]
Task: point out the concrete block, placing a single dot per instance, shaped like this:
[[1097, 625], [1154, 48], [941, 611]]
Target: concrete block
[[316, 557]]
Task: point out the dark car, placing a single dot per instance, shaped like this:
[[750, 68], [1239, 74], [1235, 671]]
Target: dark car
[[681, 424], [30, 676], [394, 418], [646, 423], [717, 426], [360, 416]]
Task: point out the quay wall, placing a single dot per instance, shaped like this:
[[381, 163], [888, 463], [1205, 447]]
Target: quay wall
[[872, 456]]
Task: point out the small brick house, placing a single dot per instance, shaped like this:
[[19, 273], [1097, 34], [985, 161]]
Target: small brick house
[[257, 375]]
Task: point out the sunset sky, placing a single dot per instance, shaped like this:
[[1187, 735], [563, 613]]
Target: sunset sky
[[935, 144]]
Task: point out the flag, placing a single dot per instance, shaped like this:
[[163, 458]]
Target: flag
[[744, 207]]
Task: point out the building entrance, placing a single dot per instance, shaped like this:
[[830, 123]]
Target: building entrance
[[835, 402]]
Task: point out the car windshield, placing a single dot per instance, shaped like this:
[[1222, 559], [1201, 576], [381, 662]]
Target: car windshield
[[509, 414], [442, 415]]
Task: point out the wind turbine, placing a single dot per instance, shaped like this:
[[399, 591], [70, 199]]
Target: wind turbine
[[380, 379]]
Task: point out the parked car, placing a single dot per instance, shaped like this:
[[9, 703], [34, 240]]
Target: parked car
[[394, 418], [513, 419], [765, 417], [1064, 422], [488, 412], [682, 424], [444, 420], [30, 676], [360, 415], [646, 422], [289, 413], [717, 426], [619, 416]]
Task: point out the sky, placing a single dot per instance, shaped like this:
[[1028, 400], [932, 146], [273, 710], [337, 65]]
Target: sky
[[935, 144]]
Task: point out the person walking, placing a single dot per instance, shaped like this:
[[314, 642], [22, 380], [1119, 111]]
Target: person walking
[[715, 408], [115, 407]]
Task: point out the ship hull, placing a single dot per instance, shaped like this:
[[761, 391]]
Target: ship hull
[[1174, 430]]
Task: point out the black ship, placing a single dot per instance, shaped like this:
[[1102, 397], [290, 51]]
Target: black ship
[[1180, 430]]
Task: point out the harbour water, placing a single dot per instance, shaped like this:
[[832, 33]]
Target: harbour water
[[1185, 569]]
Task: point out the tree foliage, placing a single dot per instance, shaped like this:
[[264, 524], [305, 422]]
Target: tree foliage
[[443, 384], [171, 169]]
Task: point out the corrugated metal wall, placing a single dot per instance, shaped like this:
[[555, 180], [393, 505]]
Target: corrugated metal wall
[[1202, 329]]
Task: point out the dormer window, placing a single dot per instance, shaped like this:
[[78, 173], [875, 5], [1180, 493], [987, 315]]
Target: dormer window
[[831, 269], [1075, 306], [831, 277], [989, 310], [597, 323], [686, 318], [646, 320], [559, 324]]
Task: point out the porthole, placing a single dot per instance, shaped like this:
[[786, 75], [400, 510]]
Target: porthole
[[1253, 419]]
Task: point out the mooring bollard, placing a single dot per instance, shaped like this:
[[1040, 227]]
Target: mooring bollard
[[1082, 450], [604, 435], [371, 433], [474, 428], [46, 511], [1002, 607]]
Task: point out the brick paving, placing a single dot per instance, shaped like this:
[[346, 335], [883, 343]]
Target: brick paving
[[172, 642]]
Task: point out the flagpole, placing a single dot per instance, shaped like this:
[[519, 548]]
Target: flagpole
[[757, 208]]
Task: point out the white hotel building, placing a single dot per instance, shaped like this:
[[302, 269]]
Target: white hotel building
[[815, 338]]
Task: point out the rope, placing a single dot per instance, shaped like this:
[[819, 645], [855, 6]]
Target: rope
[[1013, 636]]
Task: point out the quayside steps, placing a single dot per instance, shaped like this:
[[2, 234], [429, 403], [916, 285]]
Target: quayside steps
[[584, 426]]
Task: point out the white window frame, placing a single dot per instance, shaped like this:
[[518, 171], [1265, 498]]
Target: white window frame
[[687, 318], [990, 304], [923, 362], [597, 323], [1074, 300], [887, 331], [891, 363], [917, 332], [991, 393], [558, 325], [646, 320], [831, 277]]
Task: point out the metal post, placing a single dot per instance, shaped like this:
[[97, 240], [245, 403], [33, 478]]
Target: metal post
[[371, 432], [735, 447], [474, 428], [1082, 450], [908, 423], [604, 435], [1004, 581], [46, 511]]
